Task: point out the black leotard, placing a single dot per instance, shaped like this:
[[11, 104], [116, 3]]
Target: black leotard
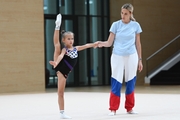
[[68, 62]]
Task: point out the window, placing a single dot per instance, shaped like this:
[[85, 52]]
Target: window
[[89, 20]]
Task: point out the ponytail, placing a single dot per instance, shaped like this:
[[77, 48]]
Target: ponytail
[[62, 32], [132, 18]]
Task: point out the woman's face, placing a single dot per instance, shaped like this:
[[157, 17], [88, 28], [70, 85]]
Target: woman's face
[[125, 15]]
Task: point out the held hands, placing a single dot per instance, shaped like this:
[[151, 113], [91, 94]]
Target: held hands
[[98, 44]]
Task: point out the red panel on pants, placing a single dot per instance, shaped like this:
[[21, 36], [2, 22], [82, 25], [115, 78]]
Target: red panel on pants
[[114, 102], [129, 103]]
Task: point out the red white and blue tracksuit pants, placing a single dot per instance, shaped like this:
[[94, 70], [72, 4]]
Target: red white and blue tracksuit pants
[[123, 66]]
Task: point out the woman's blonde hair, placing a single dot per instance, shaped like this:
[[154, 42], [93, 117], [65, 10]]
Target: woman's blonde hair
[[130, 8]]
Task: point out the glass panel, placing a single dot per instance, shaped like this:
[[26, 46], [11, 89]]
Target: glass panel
[[94, 68], [80, 7], [65, 6], [82, 33], [67, 25], [105, 8], [50, 7], [95, 33], [106, 28], [49, 32], [95, 7], [106, 53]]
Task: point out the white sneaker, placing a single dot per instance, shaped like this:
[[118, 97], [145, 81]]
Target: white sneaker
[[132, 112], [112, 113], [58, 21], [64, 116]]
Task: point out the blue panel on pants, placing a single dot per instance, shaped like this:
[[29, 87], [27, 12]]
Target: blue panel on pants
[[130, 86], [115, 87]]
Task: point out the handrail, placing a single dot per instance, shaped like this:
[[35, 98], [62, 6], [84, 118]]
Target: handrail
[[163, 47]]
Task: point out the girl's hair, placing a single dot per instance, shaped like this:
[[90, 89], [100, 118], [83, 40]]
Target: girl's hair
[[130, 8], [64, 33]]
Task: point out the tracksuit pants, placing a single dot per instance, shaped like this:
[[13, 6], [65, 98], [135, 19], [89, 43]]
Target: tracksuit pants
[[123, 66]]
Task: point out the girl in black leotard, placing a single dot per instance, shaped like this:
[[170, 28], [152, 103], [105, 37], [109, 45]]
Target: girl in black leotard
[[68, 57], [65, 60], [67, 63]]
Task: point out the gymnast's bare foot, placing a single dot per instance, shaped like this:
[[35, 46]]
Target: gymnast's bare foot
[[53, 63]]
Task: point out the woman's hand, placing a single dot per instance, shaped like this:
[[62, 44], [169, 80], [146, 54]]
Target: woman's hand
[[140, 66]]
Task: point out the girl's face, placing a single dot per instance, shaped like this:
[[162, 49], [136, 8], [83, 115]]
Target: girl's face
[[69, 40], [125, 15]]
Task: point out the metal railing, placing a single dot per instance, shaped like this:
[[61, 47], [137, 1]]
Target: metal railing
[[162, 54]]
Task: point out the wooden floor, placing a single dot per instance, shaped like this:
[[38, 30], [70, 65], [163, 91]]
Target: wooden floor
[[92, 103]]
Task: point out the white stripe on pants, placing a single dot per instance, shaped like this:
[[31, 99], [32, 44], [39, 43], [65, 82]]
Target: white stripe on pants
[[121, 64]]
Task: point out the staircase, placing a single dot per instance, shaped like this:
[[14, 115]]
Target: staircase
[[167, 77], [161, 70]]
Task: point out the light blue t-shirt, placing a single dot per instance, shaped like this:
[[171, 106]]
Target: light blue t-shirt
[[125, 35]]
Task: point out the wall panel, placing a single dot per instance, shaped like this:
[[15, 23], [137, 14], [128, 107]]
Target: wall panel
[[21, 46]]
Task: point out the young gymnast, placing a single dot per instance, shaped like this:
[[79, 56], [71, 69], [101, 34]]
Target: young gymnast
[[65, 60]]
